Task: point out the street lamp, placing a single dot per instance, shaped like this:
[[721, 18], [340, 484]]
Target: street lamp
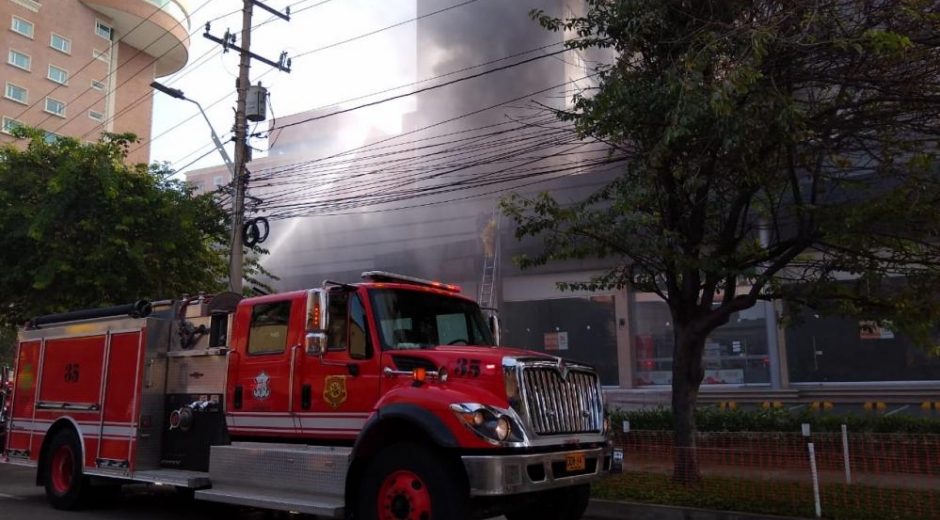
[[178, 94], [235, 260]]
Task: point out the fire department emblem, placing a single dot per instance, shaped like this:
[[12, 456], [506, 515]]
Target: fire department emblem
[[334, 390], [262, 391]]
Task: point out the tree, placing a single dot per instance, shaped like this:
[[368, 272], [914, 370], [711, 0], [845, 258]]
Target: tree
[[771, 150], [83, 229]]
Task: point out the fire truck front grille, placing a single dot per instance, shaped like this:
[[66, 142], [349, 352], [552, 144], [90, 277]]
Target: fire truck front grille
[[562, 406]]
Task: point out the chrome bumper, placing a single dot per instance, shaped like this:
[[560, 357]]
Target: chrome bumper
[[494, 475]]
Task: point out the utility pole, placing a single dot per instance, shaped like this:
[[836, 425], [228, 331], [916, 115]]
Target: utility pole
[[242, 151]]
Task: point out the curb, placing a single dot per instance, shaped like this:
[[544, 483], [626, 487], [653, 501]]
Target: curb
[[616, 510]]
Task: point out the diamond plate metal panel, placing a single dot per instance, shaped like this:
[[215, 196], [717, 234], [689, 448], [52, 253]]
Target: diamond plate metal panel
[[152, 396], [332, 507], [196, 375], [315, 471]]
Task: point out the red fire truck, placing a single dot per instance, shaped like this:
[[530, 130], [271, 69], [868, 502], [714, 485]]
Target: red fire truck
[[6, 389], [386, 399]]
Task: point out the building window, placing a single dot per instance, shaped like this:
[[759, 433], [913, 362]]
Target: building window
[[10, 124], [97, 85], [101, 56], [736, 353], [29, 4], [217, 181], [577, 328], [16, 93], [828, 348], [104, 30], [60, 76], [50, 137], [23, 27], [18, 59], [55, 107], [97, 116], [61, 43]]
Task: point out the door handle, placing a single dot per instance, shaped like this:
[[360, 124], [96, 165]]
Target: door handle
[[237, 401], [305, 393]]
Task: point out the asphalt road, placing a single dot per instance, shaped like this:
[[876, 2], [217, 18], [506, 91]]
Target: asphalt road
[[21, 500]]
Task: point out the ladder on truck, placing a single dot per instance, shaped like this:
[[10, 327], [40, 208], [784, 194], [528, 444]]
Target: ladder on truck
[[490, 236]]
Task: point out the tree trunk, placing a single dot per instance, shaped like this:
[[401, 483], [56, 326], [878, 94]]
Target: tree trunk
[[687, 375]]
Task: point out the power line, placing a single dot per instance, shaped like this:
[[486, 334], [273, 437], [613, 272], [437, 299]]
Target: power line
[[419, 91], [446, 121], [383, 29], [521, 175], [371, 33], [495, 176], [206, 56]]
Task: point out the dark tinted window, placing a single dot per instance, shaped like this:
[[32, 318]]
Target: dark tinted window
[[417, 319]]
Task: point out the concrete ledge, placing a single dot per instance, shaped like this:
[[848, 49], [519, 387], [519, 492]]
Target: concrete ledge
[[614, 510]]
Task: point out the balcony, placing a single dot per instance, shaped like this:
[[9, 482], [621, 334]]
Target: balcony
[[163, 35]]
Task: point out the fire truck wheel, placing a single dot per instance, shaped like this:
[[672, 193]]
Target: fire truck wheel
[[407, 481], [66, 487], [558, 504]]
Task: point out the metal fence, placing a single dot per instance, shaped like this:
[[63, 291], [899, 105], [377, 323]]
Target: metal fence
[[831, 475]]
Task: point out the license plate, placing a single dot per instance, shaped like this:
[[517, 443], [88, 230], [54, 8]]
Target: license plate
[[574, 462]]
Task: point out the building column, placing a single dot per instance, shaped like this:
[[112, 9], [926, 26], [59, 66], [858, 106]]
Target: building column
[[624, 305]]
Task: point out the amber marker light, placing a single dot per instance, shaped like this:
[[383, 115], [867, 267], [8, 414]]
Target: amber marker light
[[419, 374], [315, 319]]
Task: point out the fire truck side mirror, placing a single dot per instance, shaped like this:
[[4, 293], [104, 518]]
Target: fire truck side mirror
[[493, 321], [317, 318], [316, 343]]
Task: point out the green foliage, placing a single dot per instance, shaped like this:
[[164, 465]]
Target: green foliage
[[7, 344], [780, 420], [808, 122], [83, 229]]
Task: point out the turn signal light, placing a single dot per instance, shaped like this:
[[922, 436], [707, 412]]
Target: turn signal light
[[419, 374]]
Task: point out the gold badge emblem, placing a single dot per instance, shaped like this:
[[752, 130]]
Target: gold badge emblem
[[334, 390]]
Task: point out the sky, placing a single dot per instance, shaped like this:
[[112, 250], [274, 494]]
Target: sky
[[320, 79]]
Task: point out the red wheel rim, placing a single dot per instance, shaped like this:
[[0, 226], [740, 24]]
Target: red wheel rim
[[63, 466], [404, 496]]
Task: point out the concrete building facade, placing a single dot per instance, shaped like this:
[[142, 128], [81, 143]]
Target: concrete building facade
[[81, 67]]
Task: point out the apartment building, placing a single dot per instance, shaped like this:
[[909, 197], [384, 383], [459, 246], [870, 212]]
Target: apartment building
[[82, 67]]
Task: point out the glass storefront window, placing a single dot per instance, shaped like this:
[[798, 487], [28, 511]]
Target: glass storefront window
[[824, 349], [735, 353], [579, 329]]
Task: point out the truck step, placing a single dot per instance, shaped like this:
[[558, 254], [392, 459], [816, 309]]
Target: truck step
[[282, 501], [262, 468], [170, 477]]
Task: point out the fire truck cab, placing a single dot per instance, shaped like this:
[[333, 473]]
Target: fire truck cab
[[386, 399]]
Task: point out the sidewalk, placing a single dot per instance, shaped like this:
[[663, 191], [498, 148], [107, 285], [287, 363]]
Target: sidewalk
[[614, 510]]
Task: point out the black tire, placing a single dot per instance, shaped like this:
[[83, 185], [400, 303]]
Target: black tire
[[558, 504], [414, 482], [67, 487]]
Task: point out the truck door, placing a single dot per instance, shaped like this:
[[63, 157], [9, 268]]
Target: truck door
[[267, 339], [340, 386]]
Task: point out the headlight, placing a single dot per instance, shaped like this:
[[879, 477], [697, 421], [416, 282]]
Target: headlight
[[502, 428], [491, 423]]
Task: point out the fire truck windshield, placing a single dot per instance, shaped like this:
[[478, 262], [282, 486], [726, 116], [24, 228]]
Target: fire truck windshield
[[416, 319]]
